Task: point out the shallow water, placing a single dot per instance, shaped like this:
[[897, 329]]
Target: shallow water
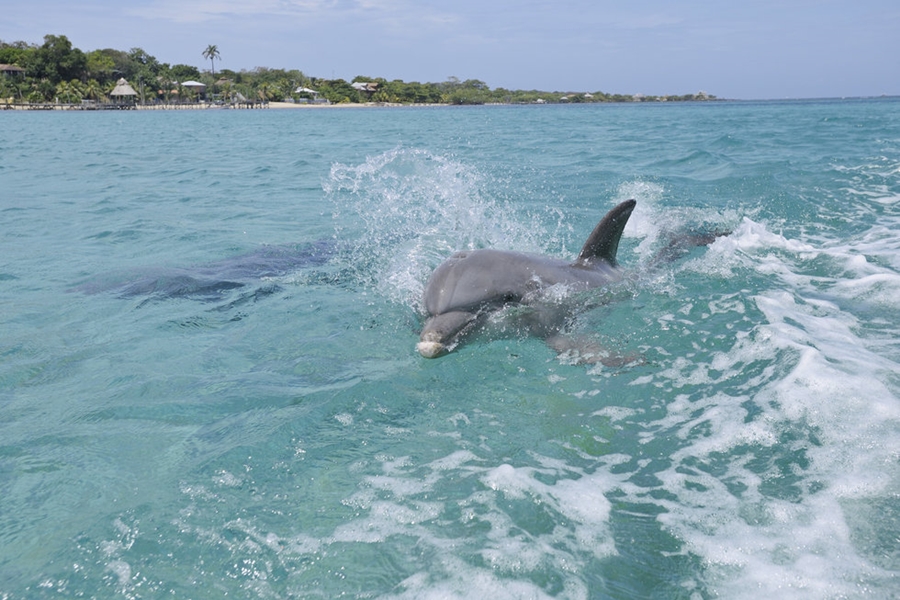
[[208, 382]]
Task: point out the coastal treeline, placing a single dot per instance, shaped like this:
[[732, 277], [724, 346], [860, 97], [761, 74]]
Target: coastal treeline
[[56, 71]]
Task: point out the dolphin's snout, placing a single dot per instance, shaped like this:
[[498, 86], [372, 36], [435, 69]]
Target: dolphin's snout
[[431, 349], [430, 344]]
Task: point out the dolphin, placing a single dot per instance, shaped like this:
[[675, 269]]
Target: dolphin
[[212, 281], [470, 285]]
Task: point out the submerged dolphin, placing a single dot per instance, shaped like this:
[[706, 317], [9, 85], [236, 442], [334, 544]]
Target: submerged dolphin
[[471, 284], [212, 281]]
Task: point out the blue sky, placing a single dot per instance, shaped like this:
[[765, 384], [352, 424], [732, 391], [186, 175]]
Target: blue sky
[[750, 49]]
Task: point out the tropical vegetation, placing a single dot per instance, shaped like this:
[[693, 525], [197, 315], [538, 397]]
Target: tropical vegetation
[[55, 71], [212, 54]]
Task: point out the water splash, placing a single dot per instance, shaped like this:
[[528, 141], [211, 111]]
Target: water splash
[[406, 210], [415, 208]]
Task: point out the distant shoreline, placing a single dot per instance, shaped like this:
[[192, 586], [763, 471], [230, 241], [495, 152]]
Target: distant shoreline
[[54, 106], [291, 105]]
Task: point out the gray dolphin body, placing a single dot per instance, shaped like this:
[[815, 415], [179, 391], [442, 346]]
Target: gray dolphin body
[[469, 285]]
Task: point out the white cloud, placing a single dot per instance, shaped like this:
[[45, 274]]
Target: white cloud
[[198, 11]]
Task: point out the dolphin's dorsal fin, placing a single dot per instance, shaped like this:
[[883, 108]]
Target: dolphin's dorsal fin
[[603, 243]]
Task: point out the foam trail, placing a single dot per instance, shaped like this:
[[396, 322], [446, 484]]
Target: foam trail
[[826, 408]]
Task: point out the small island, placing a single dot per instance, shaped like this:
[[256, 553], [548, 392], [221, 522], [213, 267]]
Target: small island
[[55, 75]]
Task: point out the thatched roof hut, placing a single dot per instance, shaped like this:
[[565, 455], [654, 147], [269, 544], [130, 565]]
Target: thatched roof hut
[[122, 89]]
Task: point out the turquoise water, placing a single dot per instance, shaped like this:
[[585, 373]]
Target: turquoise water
[[209, 388]]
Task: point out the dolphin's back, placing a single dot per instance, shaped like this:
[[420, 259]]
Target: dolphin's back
[[478, 278], [471, 280]]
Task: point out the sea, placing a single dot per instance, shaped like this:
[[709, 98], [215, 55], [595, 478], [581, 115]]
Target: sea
[[209, 386]]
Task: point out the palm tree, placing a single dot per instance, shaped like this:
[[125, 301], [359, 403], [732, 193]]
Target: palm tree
[[226, 87], [93, 90], [212, 54], [69, 91], [164, 79], [265, 91], [189, 94]]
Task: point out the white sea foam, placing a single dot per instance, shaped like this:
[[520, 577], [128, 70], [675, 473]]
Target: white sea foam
[[828, 404], [122, 571], [476, 583], [397, 504], [654, 225], [643, 223]]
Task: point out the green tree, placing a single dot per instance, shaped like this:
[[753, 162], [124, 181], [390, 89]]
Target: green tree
[[336, 91], [141, 57], [123, 64], [283, 89], [183, 73], [100, 66], [69, 91], [165, 83], [141, 71], [470, 91], [15, 53], [35, 95], [212, 54], [266, 91], [56, 61], [7, 90], [227, 90], [187, 94], [93, 90]]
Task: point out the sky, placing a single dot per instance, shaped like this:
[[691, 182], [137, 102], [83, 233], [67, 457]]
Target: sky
[[750, 49]]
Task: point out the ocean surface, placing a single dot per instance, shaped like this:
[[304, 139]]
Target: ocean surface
[[209, 386]]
